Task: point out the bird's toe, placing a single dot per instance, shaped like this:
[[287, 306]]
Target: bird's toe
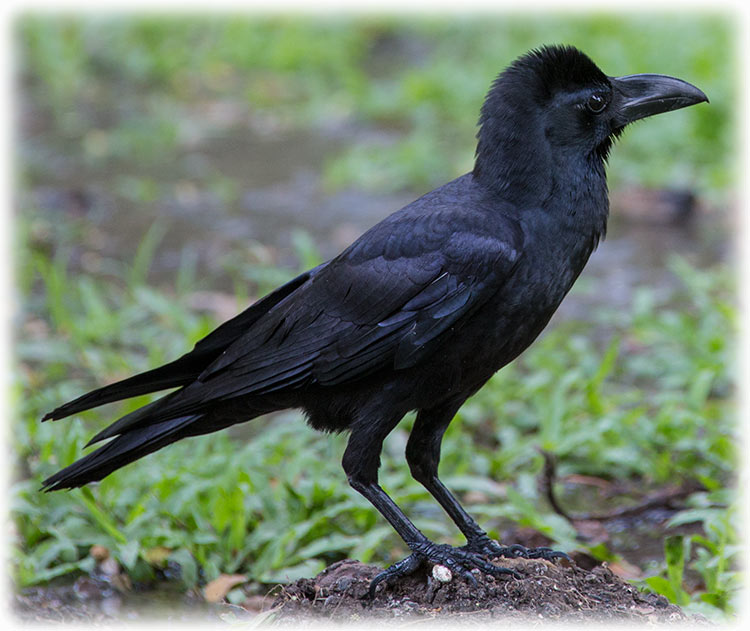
[[493, 549]]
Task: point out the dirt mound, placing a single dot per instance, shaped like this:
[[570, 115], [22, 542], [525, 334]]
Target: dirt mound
[[547, 591]]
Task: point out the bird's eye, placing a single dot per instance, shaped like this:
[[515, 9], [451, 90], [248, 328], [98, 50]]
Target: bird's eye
[[596, 103]]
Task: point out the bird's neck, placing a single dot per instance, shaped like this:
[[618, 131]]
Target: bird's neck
[[578, 199], [508, 165], [570, 189]]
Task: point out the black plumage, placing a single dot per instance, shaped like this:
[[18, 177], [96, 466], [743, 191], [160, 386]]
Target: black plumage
[[422, 309]]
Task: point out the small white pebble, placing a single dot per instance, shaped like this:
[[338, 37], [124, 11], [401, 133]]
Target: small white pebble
[[442, 574], [109, 567]]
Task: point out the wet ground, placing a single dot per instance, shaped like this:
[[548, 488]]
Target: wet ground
[[543, 592]]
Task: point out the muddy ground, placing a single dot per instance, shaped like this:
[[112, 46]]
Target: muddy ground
[[547, 592]]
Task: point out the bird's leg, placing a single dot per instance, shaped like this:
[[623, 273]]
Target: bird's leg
[[361, 461], [423, 456]]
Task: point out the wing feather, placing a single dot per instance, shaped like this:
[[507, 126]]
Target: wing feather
[[363, 312]]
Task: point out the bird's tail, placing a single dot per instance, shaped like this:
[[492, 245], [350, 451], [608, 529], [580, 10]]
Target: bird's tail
[[172, 375], [122, 450], [146, 430], [154, 426]]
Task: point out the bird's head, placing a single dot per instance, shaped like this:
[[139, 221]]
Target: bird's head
[[554, 104]]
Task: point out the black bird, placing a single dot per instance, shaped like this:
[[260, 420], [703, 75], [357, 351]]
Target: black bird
[[422, 309]]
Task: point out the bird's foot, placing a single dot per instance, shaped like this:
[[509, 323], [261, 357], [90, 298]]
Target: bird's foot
[[460, 561], [492, 549]]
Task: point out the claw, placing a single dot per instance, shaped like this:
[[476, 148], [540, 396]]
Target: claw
[[470, 577]]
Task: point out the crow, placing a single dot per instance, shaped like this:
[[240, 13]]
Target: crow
[[421, 310]]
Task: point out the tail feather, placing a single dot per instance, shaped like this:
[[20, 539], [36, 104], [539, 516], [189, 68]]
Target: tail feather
[[142, 432], [137, 418], [172, 375], [120, 451]]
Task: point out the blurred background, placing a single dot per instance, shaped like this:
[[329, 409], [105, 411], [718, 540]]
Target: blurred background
[[169, 170]]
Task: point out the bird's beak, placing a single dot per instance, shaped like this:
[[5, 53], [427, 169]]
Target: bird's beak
[[644, 95]]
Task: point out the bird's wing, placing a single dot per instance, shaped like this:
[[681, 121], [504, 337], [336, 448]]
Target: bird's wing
[[385, 302], [456, 279]]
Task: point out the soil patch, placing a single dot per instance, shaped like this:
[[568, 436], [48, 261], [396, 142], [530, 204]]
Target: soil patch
[[547, 591]]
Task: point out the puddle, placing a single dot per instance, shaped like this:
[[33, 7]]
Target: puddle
[[275, 190]]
